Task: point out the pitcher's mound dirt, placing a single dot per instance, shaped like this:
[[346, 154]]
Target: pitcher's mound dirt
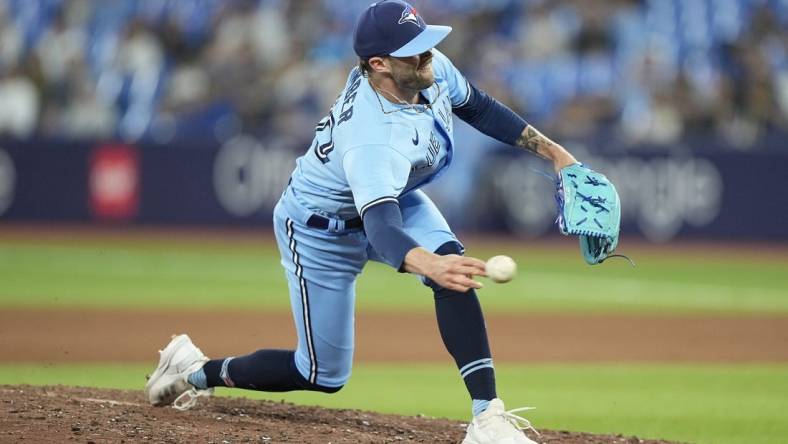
[[88, 415]]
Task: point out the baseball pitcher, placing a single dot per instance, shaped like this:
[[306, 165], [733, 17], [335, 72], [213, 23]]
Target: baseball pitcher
[[354, 196]]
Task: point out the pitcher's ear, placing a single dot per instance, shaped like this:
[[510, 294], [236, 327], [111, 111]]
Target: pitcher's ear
[[378, 64]]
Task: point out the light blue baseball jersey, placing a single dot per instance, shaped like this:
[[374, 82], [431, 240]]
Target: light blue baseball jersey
[[369, 150]]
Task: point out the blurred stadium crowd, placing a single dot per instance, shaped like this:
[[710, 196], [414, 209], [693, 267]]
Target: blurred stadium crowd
[[201, 71]]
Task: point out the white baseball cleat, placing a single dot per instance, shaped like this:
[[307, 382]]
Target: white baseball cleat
[[497, 426], [168, 385]]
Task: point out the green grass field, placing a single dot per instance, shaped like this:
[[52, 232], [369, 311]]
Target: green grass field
[[163, 274], [704, 403]]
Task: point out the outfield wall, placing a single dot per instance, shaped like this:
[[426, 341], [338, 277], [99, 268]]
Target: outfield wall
[[709, 192]]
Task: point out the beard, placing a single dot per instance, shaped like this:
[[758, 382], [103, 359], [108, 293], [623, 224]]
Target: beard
[[415, 79]]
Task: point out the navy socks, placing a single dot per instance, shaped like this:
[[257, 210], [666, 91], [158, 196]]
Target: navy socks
[[263, 370], [464, 334]]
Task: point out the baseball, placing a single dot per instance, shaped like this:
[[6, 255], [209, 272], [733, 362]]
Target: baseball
[[501, 268]]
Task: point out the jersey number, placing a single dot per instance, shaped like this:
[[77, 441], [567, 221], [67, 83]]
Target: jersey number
[[324, 137]]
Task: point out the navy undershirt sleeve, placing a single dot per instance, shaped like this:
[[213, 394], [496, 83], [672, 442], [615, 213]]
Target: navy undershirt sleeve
[[490, 116], [383, 226]]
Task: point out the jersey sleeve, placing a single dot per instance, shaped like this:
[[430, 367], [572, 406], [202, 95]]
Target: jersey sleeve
[[376, 174], [459, 89]]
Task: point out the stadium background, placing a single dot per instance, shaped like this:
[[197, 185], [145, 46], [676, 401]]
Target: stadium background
[[143, 144]]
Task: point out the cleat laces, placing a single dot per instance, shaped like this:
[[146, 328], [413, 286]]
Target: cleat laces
[[518, 421], [188, 399]]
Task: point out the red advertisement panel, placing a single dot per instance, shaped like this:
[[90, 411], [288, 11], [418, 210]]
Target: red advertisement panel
[[114, 182]]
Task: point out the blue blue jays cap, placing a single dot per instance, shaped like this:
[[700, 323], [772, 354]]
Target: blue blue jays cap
[[393, 27]]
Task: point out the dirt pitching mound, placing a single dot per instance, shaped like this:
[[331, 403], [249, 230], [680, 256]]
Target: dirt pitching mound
[[88, 415]]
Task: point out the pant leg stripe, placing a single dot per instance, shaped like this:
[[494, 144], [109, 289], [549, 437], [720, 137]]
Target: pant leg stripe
[[478, 367], [224, 373], [304, 303], [475, 363]]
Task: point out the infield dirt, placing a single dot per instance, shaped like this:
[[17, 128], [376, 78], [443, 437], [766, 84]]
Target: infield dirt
[[128, 336], [67, 414]]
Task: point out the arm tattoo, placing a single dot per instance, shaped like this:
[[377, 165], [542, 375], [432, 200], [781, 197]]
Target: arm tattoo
[[531, 139], [537, 143]]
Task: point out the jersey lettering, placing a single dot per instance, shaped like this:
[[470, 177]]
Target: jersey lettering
[[346, 110], [445, 114], [322, 149], [323, 146]]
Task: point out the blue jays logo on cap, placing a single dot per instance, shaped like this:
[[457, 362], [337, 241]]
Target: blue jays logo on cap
[[409, 14], [379, 31]]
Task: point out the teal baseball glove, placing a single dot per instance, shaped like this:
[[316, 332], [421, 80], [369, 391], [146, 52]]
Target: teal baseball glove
[[589, 207]]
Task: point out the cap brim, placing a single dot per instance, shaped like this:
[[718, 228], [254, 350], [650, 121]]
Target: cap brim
[[426, 40]]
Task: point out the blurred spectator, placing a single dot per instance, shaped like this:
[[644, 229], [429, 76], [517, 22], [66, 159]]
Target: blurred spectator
[[60, 49], [86, 115], [19, 104], [11, 37]]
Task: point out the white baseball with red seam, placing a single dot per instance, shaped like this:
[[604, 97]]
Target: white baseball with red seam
[[501, 268]]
